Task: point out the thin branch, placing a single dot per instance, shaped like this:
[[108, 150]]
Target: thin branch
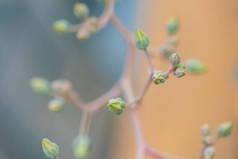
[[149, 61], [75, 99], [108, 12], [122, 86], [152, 152], [170, 70], [96, 104], [138, 99], [140, 153], [135, 103], [84, 123], [129, 95], [158, 155], [125, 33]]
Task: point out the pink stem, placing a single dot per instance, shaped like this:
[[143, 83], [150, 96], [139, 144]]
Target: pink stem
[[140, 153], [152, 152]]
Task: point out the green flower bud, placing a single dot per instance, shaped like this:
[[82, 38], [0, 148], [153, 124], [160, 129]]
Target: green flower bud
[[205, 130], [195, 66], [142, 40], [174, 59], [159, 77], [209, 152], [172, 25], [180, 72], [167, 50], [61, 26], [55, 105], [50, 149], [81, 10], [116, 105], [82, 147], [61, 87], [40, 85], [225, 129]]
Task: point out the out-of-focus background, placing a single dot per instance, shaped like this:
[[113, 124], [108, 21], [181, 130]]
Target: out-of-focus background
[[30, 48], [171, 114]]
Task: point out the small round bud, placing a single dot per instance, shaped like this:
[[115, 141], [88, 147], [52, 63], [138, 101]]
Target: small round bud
[[55, 105], [82, 147], [167, 50], [180, 72], [61, 26], [159, 77], [207, 140], [172, 41], [142, 40], [209, 152], [40, 85], [50, 149], [83, 34], [225, 129], [61, 87], [195, 66], [205, 130], [174, 59], [81, 10], [172, 25], [116, 106]]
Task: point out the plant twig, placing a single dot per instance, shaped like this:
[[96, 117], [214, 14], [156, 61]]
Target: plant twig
[[124, 85], [84, 123]]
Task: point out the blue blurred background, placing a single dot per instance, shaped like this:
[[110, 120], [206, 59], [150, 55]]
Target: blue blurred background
[[28, 48]]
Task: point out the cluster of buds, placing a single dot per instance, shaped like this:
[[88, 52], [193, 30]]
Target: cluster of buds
[[208, 141], [159, 77], [142, 42], [116, 106], [175, 62], [178, 70], [60, 89], [82, 147], [49, 148], [169, 50], [84, 30]]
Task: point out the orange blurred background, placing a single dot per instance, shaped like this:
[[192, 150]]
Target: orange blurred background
[[172, 113]]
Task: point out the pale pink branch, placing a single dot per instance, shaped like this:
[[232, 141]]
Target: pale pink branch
[[159, 155], [108, 12], [129, 95], [152, 152], [96, 104], [140, 143], [125, 33]]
